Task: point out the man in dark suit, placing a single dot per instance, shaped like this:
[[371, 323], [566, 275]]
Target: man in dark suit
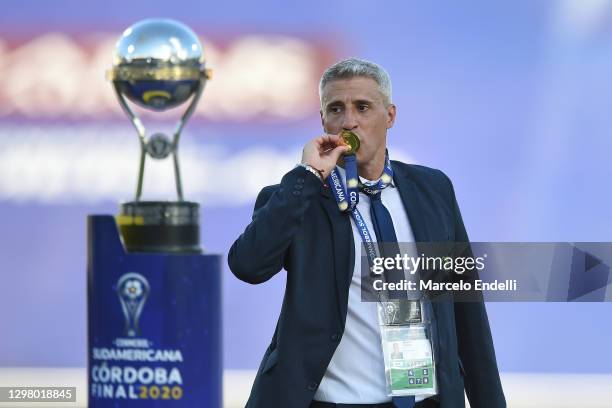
[[326, 349]]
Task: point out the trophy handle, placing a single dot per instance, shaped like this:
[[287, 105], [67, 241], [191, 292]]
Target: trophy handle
[[177, 135], [140, 129]]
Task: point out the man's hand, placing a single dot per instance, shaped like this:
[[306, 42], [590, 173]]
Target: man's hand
[[323, 153]]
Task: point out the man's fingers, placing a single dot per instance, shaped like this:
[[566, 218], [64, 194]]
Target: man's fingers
[[339, 150], [328, 142], [328, 138], [322, 145], [335, 140]]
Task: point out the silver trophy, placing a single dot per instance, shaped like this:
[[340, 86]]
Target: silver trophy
[[159, 64]]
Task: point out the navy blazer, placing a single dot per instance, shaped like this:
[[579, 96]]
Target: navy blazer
[[297, 226]]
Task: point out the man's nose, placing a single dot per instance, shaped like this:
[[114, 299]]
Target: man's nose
[[350, 120]]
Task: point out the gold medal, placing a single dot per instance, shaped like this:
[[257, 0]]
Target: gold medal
[[351, 140]]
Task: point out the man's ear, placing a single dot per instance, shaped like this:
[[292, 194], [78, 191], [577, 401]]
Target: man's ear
[[322, 120], [391, 113]]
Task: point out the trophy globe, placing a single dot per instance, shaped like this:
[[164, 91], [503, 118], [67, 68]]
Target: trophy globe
[[159, 64]]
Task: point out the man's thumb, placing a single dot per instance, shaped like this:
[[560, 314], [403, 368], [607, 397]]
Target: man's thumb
[[339, 150]]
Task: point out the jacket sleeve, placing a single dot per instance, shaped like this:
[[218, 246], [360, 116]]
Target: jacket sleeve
[[476, 352], [259, 252]]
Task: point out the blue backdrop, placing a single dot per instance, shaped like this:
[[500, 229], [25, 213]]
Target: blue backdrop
[[511, 99]]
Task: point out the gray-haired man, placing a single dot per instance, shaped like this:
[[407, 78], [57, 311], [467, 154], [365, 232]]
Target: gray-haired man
[[326, 350]]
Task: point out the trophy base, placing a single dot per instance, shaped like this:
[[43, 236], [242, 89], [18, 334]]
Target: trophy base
[[160, 226]]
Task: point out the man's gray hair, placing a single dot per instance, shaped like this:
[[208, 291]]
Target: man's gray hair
[[356, 67]]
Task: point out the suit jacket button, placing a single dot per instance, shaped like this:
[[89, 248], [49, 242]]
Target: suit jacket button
[[300, 180], [298, 186], [296, 192], [335, 337], [313, 386]]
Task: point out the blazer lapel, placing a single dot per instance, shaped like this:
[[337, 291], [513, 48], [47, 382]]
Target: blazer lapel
[[343, 250], [414, 203], [411, 197]]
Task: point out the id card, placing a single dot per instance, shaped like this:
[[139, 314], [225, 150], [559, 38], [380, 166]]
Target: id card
[[409, 360]]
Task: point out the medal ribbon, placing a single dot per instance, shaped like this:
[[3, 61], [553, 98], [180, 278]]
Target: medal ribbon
[[347, 199]]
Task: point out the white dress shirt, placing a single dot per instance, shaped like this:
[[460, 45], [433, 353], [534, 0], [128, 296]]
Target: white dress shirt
[[356, 373]]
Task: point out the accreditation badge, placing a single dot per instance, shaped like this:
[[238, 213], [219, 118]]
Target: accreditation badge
[[408, 353]]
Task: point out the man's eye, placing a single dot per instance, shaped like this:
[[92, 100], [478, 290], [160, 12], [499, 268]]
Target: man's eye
[[363, 108], [335, 109]]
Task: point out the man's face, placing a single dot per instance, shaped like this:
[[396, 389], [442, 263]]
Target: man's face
[[356, 104]]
